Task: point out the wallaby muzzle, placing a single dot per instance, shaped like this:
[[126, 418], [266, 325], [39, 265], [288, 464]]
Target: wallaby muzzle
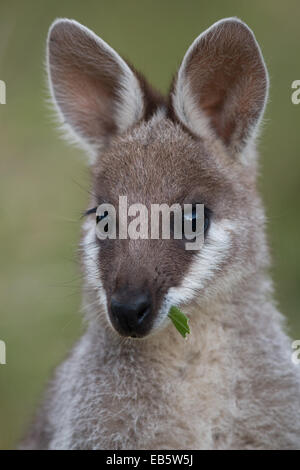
[[131, 312]]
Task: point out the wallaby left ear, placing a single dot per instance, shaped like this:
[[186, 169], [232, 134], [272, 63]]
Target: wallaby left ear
[[97, 94], [222, 85]]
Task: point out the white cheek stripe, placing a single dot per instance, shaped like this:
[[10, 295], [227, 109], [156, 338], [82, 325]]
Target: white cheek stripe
[[91, 254], [207, 262]]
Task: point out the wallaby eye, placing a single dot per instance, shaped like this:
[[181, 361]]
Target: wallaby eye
[[192, 217], [102, 217], [98, 217]]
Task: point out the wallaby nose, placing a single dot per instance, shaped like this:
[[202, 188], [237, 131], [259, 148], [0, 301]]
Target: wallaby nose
[[131, 313]]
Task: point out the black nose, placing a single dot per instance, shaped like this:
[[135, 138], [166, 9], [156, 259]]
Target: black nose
[[130, 313]]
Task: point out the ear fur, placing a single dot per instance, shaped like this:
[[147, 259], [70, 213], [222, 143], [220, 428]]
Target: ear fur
[[96, 93], [222, 85]]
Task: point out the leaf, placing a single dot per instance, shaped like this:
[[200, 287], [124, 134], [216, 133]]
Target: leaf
[[180, 321]]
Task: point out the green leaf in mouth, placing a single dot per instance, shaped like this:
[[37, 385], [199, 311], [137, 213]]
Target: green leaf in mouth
[[180, 321]]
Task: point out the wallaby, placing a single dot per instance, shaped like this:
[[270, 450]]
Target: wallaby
[[136, 383]]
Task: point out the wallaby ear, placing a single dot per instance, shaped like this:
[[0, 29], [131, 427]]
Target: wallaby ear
[[96, 93], [222, 85]]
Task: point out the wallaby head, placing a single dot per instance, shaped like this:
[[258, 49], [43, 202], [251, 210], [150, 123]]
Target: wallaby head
[[196, 146]]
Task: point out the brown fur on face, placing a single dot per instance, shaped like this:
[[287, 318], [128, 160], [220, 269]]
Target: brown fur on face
[[164, 164], [187, 148]]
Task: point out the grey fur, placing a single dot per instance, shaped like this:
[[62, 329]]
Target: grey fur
[[232, 384]]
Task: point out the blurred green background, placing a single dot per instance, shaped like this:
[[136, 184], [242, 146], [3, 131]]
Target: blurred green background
[[44, 183]]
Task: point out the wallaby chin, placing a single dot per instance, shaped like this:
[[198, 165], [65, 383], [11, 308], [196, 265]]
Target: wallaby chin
[[132, 381]]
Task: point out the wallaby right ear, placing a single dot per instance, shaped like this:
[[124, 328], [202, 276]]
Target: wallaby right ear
[[96, 92], [222, 85]]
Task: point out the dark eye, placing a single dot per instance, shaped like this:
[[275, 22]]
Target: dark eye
[[101, 217], [193, 217]]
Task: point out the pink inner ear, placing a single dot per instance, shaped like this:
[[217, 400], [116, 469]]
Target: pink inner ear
[[88, 104], [228, 80]]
